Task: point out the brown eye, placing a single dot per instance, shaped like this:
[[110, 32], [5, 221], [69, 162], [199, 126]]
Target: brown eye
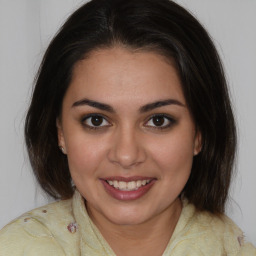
[[160, 121], [95, 121]]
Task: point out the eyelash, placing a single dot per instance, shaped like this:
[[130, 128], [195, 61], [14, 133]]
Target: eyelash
[[91, 127], [171, 121]]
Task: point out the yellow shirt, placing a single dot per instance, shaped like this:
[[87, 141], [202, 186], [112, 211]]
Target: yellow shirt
[[64, 228]]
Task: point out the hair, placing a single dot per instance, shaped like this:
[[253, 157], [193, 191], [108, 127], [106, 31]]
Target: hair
[[160, 26]]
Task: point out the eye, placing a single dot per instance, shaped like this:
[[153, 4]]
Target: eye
[[160, 121], [95, 121]]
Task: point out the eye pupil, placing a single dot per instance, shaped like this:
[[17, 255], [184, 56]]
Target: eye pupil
[[158, 120], [97, 120]]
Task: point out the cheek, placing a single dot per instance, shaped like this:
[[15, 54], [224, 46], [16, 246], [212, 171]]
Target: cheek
[[174, 160], [84, 155], [174, 154]]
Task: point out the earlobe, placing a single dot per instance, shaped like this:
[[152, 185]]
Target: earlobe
[[62, 150], [198, 143], [61, 140]]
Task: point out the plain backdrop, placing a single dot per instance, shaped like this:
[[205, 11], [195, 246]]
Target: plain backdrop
[[26, 28]]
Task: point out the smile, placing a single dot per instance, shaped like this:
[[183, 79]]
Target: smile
[[127, 186], [126, 189]]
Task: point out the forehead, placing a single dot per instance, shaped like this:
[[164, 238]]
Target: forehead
[[118, 73]]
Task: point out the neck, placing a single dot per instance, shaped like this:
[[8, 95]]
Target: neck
[[126, 240]]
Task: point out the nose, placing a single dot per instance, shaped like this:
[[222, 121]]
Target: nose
[[127, 148]]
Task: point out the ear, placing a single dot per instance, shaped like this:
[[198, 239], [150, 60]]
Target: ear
[[61, 141], [198, 143]]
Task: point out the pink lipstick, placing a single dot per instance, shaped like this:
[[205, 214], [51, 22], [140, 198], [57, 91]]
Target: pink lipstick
[[125, 189]]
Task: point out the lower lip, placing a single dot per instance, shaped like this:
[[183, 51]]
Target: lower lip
[[127, 195]]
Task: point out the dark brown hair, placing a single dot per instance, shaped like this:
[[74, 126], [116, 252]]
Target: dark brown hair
[[155, 25]]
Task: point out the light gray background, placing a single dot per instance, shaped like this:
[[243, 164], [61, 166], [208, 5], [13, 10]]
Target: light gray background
[[26, 27]]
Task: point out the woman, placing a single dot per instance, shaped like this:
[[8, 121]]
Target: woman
[[130, 125]]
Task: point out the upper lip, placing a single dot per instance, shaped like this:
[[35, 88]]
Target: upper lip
[[127, 179]]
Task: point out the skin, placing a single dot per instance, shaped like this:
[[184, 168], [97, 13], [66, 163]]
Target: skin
[[128, 143]]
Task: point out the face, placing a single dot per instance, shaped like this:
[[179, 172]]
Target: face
[[128, 135]]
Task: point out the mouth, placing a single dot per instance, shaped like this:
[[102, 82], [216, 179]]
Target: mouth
[[127, 188]]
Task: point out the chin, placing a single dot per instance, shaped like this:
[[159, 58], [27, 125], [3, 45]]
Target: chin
[[128, 220], [126, 216]]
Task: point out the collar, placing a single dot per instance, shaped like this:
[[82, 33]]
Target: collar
[[92, 242]]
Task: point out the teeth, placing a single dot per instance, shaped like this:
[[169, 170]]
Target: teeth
[[138, 183], [128, 186], [116, 184], [122, 185], [131, 185]]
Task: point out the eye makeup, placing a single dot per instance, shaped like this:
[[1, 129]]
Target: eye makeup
[[95, 121], [160, 121]]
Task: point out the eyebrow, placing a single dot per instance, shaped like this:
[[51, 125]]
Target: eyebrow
[[94, 104], [143, 109], [160, 103]]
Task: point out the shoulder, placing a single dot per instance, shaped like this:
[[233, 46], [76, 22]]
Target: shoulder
[[218, 235], [42, 231]]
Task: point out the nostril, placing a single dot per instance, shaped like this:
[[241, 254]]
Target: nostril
[[126, 149]]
